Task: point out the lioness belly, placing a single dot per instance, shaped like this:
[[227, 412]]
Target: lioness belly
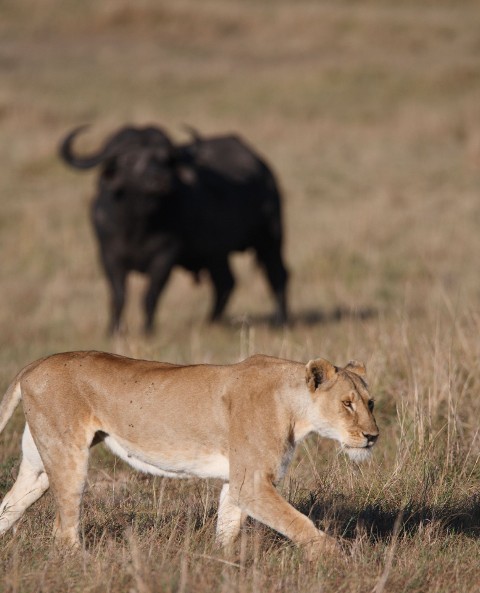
[[179, 464]]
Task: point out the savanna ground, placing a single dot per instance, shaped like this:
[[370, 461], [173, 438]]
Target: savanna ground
[[370, 114]]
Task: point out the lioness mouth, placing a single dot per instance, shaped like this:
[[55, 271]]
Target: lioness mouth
[[358, 454]]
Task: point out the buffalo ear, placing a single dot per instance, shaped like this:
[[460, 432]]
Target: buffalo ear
[[356, 367], [317, 372]]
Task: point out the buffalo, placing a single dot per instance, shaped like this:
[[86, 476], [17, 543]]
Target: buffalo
[[159, 205]]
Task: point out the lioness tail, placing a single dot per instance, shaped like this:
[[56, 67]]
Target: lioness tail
[[9, 402], [13, 395]]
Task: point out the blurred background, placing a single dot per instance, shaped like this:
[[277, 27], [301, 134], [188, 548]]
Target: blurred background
[[369, 114], [366, 111]]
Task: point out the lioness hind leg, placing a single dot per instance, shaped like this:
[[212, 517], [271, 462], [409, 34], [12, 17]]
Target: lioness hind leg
[[67, 480], [31, 483], [230, 519]]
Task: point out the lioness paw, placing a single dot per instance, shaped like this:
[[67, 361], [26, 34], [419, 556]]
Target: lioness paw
[[322, 547]]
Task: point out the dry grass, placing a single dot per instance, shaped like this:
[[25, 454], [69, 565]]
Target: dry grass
[[369, 113]]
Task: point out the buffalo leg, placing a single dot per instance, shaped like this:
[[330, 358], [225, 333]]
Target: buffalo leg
[[116, 275], [271, 260], [223, 283], [159, 273]]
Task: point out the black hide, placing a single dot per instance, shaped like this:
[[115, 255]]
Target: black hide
[[160, 206]]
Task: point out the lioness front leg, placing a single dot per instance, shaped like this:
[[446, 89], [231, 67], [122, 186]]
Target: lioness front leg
[[258, 497], [230, 518]]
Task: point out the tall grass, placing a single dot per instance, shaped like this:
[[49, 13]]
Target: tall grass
[[368, 113]]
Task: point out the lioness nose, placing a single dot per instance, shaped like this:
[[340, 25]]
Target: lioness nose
[[371, 438]]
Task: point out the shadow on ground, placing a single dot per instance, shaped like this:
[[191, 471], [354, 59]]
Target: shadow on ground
[[379, 523], [341, 518], [308, 317]]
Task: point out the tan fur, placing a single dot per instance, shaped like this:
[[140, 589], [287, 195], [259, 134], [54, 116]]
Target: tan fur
[[239, 423]]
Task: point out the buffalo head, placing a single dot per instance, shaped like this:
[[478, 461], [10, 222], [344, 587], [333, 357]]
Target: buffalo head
[[134, 158]]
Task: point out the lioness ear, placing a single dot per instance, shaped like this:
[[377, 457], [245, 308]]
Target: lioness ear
[[317, 372], [356, 367]]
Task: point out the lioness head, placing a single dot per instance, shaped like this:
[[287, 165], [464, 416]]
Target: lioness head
[[343, 407]]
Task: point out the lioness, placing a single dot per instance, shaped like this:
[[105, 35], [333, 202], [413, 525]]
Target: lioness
[[239, 423]]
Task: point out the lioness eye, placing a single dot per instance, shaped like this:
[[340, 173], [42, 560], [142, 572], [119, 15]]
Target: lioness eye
[[347, 404], [371, 405]]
